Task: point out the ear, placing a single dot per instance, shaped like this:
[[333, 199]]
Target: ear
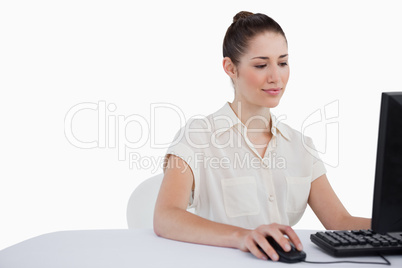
[[229, 67]]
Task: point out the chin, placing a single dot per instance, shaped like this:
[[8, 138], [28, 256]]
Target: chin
[[274, 105], [271, 103]]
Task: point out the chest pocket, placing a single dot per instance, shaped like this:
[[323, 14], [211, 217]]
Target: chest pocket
[[240, 196], [298, 191]]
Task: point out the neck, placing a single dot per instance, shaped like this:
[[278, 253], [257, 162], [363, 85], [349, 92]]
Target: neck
[[256, 118]]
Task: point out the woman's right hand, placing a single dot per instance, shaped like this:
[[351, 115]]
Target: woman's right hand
[[251, 239], [171, 220]]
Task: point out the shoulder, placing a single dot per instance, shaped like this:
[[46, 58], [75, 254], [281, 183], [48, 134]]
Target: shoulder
[[299, 144], [203, 124], [196, 131], [294, 135]]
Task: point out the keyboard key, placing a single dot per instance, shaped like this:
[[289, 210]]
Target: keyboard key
[[361, 241], [354, 242], [327, 238], [366, 232], [384, 243]]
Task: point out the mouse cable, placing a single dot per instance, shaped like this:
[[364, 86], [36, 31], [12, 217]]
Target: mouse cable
[[387, 262]]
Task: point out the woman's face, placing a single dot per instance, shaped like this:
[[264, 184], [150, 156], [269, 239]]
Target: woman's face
[[263, 71]]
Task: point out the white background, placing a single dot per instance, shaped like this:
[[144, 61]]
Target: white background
[[57, 54]]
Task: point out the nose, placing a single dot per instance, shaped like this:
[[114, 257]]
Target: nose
[[273, 74]]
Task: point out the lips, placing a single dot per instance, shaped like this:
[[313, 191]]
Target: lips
[[274, 90]]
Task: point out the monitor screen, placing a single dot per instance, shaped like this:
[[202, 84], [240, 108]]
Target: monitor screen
[[387, 202]]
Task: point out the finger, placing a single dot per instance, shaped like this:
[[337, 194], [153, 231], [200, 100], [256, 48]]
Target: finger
[[253, 248], [263, 244], [292, 236], [278, 236]]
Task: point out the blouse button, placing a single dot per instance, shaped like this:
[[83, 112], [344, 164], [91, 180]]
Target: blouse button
[[271, 198], [265, 164]]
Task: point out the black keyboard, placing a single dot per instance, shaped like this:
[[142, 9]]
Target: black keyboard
[[358, 243]]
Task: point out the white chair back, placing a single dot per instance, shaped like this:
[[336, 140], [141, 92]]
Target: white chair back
[[141, 205]]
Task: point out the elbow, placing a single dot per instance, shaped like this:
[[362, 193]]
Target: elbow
[[165, 223], [156, 229], [159, 223]]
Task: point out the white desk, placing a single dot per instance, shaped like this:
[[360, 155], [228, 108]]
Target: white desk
[[142, 248]]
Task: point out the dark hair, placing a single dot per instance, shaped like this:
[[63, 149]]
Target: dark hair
[[245, 26]]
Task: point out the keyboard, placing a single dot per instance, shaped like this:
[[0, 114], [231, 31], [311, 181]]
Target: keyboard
[[357, 243]]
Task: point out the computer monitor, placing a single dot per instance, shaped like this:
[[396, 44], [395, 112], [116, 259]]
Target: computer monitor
[[387, 202]]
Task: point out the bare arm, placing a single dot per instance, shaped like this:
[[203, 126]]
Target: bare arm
[[171, 220], [329, 209]]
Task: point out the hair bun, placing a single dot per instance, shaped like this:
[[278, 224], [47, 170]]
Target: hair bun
[[241, 15]]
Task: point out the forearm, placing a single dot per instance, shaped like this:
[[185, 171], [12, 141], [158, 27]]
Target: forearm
[[178, 224], [352, 223], [358, 223], [329, 209]]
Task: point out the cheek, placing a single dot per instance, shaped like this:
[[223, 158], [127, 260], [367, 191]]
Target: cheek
[[252, 78], [285, 75]]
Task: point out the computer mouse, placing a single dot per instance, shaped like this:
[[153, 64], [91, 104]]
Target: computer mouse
[[289, 257]]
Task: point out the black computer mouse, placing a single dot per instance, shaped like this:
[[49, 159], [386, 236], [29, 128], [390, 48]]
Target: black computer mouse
[[289, 257]]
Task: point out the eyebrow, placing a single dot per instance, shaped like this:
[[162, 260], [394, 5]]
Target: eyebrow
[[267, 58]]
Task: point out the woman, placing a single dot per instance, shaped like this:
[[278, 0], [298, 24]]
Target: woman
[[246, 174]]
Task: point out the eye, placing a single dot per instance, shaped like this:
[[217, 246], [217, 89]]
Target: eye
[[260, 66], [283, 64]]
